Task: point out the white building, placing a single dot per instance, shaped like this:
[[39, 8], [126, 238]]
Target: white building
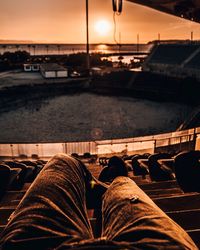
[[53, 70], [31, 67]]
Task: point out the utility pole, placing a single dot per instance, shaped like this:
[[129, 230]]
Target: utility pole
[[138, 41], [191, 36], [158, 38], [87, 39], [119, 42]]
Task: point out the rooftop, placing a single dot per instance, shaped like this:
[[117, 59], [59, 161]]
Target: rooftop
[[52, 67]]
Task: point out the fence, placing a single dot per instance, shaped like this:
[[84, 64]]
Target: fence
[[124, 146]]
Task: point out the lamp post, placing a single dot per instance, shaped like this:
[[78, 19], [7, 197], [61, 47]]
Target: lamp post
[[87, 39], [138, 42], [191, 36]]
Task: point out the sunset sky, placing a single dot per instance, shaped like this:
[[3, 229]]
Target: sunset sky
[[64, 21]]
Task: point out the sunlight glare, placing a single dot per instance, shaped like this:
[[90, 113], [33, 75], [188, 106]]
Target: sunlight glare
[[102, 27]]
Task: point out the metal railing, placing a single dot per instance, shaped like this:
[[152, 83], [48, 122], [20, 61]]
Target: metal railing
[[121, 146]]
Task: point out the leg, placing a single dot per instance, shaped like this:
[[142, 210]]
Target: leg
[[53, 209], [130, 215]]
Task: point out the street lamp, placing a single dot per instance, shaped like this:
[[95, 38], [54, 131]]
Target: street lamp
[[87, 39]]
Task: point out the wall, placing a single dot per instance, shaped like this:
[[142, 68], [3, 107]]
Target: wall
[[148, 144], [62, 73], [50, 74]]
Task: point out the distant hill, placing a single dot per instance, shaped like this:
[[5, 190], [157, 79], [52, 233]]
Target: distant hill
[[171, 41], [5, 41]]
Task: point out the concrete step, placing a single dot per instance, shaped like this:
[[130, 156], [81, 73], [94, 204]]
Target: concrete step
[[164, 192], [159, 185], [2, 227], [5, 213], [187, 201], [187, 219], [195, 235], [11, 195]]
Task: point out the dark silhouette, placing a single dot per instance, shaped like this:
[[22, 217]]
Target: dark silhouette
[[116, 167], [187, 171], [157, 173], [4, 178], [137, 168]]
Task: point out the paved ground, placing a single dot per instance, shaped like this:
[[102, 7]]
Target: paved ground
[[78, 117], [84, 117], [18, 77]]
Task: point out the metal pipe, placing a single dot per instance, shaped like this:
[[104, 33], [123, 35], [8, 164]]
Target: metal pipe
[[87, 39]]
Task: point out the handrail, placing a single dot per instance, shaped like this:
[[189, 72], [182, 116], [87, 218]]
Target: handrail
[[125, 145]]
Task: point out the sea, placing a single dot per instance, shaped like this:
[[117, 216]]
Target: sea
[[65, 49], [114, 50]]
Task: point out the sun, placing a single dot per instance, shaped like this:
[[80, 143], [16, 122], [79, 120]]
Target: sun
[[102, 27]]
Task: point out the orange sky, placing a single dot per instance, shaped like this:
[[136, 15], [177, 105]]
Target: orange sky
[[64, 21]]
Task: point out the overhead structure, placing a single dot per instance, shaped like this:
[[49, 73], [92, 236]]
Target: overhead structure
[[188, 9], [117, 6]]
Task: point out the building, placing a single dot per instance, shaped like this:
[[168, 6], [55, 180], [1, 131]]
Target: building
[[31, 67], [178, 60], [53, 70]]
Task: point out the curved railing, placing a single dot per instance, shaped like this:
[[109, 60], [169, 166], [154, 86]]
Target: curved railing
[[150, 144]]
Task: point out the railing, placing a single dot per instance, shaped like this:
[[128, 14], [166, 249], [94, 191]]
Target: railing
[[124, 146]]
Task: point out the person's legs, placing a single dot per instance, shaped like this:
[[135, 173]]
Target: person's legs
[[130, 215], [53, 209]]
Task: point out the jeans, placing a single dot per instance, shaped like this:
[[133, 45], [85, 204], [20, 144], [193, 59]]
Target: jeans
[[53, 215]]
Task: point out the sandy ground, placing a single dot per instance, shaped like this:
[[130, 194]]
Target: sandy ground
[[18, 77], [84, 117]]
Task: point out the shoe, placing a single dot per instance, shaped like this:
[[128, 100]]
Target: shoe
[[116, 167]]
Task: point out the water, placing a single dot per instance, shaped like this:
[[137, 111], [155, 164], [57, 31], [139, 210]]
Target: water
[[64, 49]]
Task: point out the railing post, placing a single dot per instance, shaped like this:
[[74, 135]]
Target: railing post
[[154, 149], [126, 148], [18, 150], [97, 149], [11, 148], [169, 141], [87, 39], [194, 139], [37, 146], [66, 148]]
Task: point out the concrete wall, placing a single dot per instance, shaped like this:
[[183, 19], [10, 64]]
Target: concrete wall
[[54, 74], [31, 67], [49, 74], [62, 73], [186, 139]]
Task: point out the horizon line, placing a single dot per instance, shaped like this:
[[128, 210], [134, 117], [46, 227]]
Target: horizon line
[[10, 42]]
